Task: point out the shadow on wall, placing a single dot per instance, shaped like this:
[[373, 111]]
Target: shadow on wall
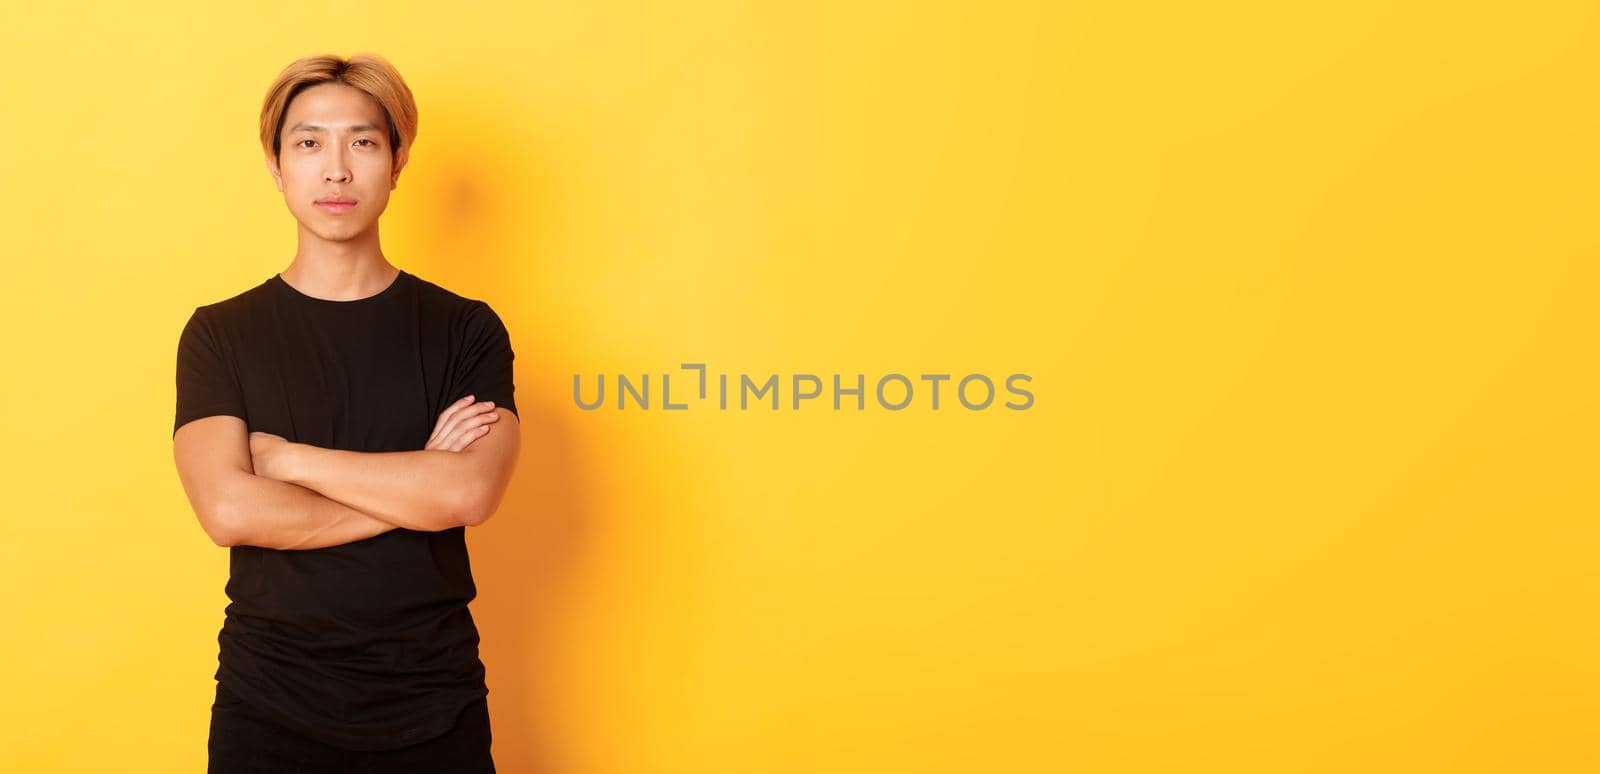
[[476, 223], [527, 564]]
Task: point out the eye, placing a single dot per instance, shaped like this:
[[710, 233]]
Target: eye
[[302, 143], [367, 141]]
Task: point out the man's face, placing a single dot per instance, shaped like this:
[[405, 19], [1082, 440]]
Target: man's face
[[335, 145]]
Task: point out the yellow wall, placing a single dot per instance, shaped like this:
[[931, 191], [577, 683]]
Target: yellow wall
[[1307, 298]]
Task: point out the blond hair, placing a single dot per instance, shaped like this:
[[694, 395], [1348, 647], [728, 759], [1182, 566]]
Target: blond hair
[[368, 72]]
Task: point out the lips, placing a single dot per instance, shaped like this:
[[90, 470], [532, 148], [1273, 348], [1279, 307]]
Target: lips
[[336, 204]]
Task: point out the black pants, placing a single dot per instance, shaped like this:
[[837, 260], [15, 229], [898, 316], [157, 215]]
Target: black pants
[[244, 742]]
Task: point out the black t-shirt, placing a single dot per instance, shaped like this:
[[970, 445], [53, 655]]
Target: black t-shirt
[[367, 645]]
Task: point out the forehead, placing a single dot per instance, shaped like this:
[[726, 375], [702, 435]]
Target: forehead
[[333, 105]]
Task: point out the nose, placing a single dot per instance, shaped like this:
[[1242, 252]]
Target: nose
[[337, 171]]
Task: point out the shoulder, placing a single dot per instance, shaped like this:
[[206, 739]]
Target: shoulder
[[459, 309], [232, 309], [219, 322]]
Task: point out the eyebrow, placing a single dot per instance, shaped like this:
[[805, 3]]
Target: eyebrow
[[305, 127]]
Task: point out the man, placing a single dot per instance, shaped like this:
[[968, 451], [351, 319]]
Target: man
[[338, 427]]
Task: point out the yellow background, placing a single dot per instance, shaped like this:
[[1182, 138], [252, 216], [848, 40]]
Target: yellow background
[[1307, 296]]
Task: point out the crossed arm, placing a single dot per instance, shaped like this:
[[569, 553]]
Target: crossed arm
[[260, 489]]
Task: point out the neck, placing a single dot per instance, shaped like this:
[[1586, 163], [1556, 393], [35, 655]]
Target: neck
[[339, 270]]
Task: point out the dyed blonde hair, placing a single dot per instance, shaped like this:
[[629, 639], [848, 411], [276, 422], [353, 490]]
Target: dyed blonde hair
[[368, 72]]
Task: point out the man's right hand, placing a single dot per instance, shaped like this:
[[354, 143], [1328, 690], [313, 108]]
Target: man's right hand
[[461, 424]]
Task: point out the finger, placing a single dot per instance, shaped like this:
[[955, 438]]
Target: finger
[[467, 427], [455, 440], [456, 414], [451, 409], [459, 416], [468, 423], [461, 420], [445, 415], [466, 437]]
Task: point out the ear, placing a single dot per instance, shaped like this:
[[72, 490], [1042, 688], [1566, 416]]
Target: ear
[[277, 176], [400, 160]]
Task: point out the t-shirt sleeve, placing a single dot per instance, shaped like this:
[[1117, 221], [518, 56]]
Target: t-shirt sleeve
[[484, 369], [207, 384]]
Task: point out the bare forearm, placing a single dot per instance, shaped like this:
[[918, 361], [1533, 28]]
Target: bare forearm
[[268, 513], [426, 490]]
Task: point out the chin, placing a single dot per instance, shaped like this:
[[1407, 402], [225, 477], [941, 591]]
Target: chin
[[342, 235], [339, 232]]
